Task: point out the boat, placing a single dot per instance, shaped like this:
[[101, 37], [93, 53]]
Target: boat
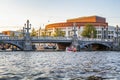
[[69, 49]]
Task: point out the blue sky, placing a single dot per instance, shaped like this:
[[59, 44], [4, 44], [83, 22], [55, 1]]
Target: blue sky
[[14, 13]]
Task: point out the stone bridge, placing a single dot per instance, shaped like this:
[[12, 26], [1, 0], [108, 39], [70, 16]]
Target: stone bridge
[[62, 42]]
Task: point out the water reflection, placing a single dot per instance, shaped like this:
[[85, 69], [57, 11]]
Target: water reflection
[[59, 65]]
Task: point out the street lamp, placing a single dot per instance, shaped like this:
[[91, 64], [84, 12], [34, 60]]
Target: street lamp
[[23, 31], [102, 33], [117, 33], [27, 26], [106, 33], [74, 30], [92, 34], [39, 31]]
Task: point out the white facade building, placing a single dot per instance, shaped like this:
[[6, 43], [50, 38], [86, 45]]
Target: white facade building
[[106, 33]]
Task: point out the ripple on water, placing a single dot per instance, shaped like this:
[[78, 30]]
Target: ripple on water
[[58, 65], [11, 78], [44, 78]]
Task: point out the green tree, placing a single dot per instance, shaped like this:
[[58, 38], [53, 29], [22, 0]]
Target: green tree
[[59, 32], [33, 33], [89, 31]]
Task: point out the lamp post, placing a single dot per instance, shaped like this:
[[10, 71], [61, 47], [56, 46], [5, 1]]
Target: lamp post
[[106, 33], [27, 27], [39, 34], [75, 42], [102, 33], [39, 31], [92, 34], [23, 32], [74, 30], [27, 38], [117, 33]]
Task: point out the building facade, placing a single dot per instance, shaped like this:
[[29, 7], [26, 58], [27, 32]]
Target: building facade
[[80, 23], [103, 30], [13, 33]]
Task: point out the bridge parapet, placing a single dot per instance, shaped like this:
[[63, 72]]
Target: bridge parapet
[[10, 38], [19, 41], [94, 39], [50, 38]]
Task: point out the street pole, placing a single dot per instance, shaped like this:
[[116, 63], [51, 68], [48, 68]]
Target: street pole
[[27, 39], [75, 42], [39, 31], [92, 34], [106, 33], [102, 36], [117, 33]]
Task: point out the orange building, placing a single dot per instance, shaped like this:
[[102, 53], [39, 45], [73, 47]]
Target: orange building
[[12, 33], [88, 19], [6, 33], [96, 21], [81, 21]]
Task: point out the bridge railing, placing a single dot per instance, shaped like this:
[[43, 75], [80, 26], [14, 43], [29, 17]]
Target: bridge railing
[[95, 39], [54, 38], [50, 38], [10, 38]]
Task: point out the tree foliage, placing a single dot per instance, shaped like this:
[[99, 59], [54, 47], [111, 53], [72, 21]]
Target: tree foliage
[[33, 33], [89, 31], [59, 32]]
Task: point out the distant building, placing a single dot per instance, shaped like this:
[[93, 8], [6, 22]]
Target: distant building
[[110, 32], [42, 32], [12, 33], [103, 30], [1, 34], [96, 21]]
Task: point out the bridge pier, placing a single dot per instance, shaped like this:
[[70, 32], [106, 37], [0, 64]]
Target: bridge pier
[[62, 46]]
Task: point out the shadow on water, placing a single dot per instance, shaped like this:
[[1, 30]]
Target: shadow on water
[[11, 78], [44, 78]]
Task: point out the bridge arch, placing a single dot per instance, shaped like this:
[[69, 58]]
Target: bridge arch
[[96, 46], [13, 43]]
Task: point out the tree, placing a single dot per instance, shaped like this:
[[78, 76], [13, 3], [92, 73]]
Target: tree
[[59, 32], [89, 31], [33, 33]]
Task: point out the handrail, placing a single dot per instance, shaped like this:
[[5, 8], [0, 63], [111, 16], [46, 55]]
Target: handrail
[[54, 38], [95, 39]]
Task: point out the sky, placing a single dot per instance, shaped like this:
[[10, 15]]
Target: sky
[[15, 13]]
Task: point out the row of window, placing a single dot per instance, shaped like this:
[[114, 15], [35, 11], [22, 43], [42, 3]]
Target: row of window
[[109, 37], [109, 32]]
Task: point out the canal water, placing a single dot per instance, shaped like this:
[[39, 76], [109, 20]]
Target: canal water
[[59, 65]]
